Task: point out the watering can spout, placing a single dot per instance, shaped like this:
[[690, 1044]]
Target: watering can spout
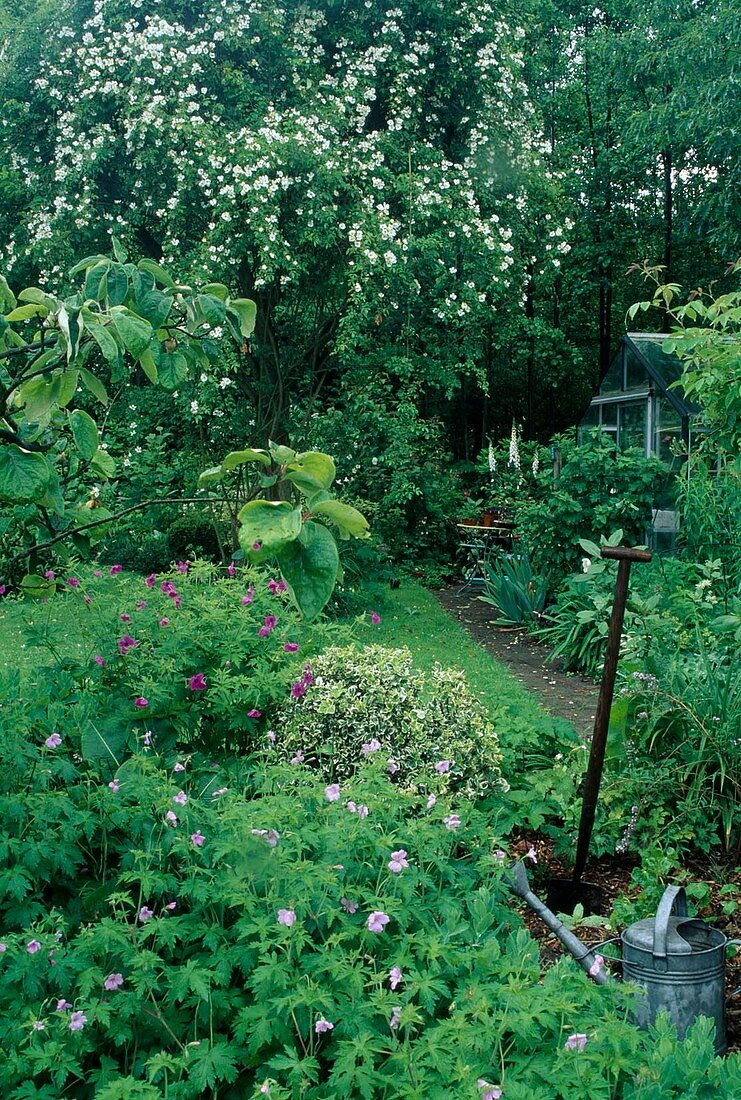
[[517, 882]]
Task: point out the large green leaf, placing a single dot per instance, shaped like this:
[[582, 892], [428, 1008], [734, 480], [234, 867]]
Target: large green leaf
[[212, 308], [271, 523], [172, 369], [350, 522], [105, 740], [102, 337], [89, 261], [24, 476], [84, 432], [246, 311], [157, 272], [7, 297], [115, 285], [103, 463], [216, 290], [33, 294], [36, 587], [134, 332], [37, 396], [95, 385], [310, 471], [238, 458], [64, 385], [94, 288], [150, 303], [280, 454], [309, 567], [210, 476], [24, 313], [148, 362]]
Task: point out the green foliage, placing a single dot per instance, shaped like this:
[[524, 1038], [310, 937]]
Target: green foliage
[[185, 658], [122, 316], [196, 535], [514, 591], [600, 489], [230, 951], [374, 697], [709, 503], [292, 531], [706, 335]]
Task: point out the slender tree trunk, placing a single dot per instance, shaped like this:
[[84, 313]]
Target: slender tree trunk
[[666, 158]]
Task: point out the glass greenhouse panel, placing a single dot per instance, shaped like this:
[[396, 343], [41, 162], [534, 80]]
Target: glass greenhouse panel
[[633, 426]]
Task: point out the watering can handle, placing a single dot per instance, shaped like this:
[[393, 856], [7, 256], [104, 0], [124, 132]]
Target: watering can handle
[[734, 943], [673, 899]]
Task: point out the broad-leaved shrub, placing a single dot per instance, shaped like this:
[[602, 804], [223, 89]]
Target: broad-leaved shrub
[[374, 700]]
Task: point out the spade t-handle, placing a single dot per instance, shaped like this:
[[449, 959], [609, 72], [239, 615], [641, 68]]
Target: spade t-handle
[[624, 555]]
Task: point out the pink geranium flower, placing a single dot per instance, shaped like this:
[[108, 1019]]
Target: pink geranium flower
[[286, 917], [254, 713], [115, 786], [375, 617], [489, 1092], [33, 946], [171, 818], [140, 701], [151, 580], [377, 921], [99, 661], [115, 569], [291, 647], [73, 582], [398, 861], [197, 839], [197, 682], [231, 569], [443, 766], [126, 643], [370, 746], [332, 792]]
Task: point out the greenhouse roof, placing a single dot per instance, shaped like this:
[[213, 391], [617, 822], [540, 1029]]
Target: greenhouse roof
[[642, 364]]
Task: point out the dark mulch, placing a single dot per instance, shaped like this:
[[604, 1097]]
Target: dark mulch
[[562, 694]]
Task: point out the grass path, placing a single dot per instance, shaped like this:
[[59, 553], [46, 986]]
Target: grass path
[[412, 617]]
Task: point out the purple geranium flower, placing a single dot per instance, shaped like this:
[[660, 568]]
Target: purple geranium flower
[[113, 981], [140, 701], [332, 792], [398, 861], [197, 682], [181, 798], [395, 976], [53, 741], [197, 839], [145, 914], [321, 1026], [286, 917], [377, 921], [577, 1041], [77, 1021], [33, 946]]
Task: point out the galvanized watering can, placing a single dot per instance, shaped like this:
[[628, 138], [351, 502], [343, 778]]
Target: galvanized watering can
[[679, 961]]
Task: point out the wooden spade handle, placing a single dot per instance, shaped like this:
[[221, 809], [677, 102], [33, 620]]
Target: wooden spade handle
[[625, 553]]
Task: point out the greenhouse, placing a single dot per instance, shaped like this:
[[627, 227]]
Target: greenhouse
[[638, 403]]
